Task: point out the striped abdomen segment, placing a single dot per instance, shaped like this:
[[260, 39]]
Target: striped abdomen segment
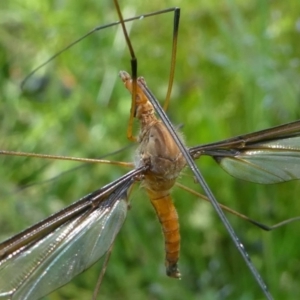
[[168, 218]]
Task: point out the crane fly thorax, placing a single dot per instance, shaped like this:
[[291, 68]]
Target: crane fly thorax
[[159, 150]]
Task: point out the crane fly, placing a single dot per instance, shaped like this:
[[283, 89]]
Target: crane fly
[[268, 156]]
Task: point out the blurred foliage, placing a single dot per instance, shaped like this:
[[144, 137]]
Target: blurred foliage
[[238, 70]]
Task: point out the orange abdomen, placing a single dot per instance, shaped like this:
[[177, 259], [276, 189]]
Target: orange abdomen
[[168, 218]]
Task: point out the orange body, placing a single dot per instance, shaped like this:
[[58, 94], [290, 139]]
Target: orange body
[[159, 151]]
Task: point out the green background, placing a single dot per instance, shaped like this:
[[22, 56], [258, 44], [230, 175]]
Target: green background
[[237, 71]]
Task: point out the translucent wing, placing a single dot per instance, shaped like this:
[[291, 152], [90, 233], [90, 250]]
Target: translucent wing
[[42, 264], [267, 156], [270, 162]]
